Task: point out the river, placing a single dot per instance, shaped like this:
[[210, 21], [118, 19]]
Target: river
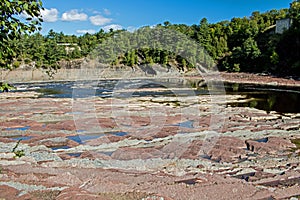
[[280, 99]]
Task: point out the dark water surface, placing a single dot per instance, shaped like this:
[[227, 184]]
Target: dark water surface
[[268, 98]]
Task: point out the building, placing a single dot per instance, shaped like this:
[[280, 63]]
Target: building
[[69, 47], [282, 25]]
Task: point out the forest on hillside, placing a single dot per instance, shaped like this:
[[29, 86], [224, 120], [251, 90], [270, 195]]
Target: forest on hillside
[[248, 44]]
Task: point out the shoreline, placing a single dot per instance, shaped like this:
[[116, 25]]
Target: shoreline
[[241, 78], [69, 75], [260, 79]]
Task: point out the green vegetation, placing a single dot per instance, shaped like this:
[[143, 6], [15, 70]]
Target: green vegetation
[[296, 142], [38, 51], [248, 44], [18, 153], [12, 27], [5, 87]]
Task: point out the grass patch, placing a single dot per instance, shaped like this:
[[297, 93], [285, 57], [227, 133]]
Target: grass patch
[[18, 153], [296, 142], [45, 195]]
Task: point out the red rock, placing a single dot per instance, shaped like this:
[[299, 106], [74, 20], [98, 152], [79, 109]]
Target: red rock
[[50, 143], [65, 179], [227, 149], [7, 192], [93, 155], [106, 123], [272, 146], [136, 153], [156, 197], [193, 150], [75, 193]]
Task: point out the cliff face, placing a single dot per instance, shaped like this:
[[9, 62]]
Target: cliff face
[[71, 64], [83, 69]]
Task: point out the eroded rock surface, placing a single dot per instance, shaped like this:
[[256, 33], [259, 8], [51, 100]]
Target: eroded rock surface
[[146, 148]]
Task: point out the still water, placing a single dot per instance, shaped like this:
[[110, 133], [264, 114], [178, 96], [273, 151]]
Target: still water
[[268, 98]]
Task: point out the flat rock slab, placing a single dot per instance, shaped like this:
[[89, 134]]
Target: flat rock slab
[[145, 148]]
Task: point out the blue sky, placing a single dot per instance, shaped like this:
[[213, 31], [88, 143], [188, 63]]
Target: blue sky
[[81, 16]]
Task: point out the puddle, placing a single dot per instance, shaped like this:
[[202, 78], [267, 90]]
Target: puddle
[[23, 138], [120, 134], [60, 147], [108, 153], [76, 155], [186, 124], [81, 139], [75, 138], [24, 128], [263, 140]]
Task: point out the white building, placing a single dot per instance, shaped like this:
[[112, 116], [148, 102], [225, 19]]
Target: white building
[[69, 47], [282, 25]]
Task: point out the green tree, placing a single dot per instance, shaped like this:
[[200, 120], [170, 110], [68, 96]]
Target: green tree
[[12, 27], [294, 13], [203, 35]]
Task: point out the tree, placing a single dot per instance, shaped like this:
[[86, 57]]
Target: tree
[[203, 33], [12, 26], [167, 23], [294, 13]]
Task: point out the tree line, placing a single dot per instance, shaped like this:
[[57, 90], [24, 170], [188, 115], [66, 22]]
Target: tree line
[[247, 44]]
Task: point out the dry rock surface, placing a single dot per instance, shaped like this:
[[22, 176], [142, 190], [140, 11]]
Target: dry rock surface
[[147, 148]]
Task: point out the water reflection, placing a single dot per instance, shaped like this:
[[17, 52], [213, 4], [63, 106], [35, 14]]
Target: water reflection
[[280, 99], [268, 98]]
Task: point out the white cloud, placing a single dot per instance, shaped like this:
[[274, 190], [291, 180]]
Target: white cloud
[[112, 26], [90, 31], [96, 12], [99, 20], [74, 15], [24, 15], [50, 15], [106, 11], [131, 29]]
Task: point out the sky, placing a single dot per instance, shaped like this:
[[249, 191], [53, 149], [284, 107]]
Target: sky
[[81, 16]]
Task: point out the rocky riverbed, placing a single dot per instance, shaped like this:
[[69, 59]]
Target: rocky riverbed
[[146, 147]]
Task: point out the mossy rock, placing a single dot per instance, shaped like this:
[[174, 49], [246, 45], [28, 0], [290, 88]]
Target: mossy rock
[[296, 142]]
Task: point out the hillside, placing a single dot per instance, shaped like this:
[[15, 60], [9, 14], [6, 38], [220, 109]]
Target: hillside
[[249, 44]]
